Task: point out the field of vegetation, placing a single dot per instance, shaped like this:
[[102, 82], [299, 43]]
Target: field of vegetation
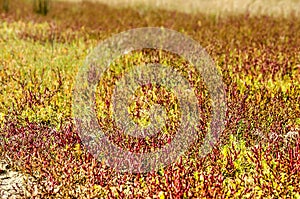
[[257, 156]]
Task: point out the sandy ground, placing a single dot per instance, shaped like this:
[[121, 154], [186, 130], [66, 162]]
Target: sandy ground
[[253, 7]]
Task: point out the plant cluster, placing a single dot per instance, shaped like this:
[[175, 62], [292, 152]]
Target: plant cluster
[[259, 59]]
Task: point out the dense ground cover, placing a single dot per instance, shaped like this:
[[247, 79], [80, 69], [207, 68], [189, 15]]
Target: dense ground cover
[[259, 58]]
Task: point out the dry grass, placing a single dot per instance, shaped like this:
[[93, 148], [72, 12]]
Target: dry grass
[[219, 7]]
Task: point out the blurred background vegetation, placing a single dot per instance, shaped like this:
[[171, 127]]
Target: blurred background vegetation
[[218, 7]]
